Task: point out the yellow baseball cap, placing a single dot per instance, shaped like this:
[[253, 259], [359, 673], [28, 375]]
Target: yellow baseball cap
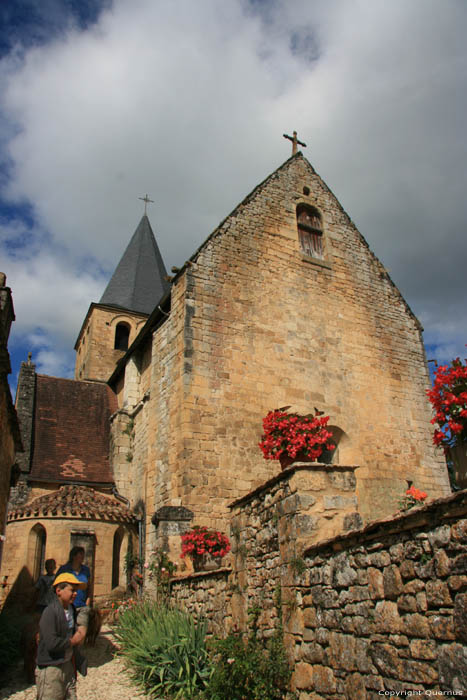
[[69, 578]]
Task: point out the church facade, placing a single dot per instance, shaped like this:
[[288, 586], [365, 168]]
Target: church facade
[[283, 305]]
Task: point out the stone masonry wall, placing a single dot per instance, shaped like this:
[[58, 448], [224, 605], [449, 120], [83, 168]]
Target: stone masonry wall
[[269, 529], [96, 356], [369, 612], [385, 609], [207, 595]]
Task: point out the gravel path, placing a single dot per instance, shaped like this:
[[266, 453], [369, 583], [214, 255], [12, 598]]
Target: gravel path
[[106, 679]]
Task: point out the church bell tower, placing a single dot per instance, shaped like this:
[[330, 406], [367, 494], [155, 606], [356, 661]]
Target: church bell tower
[[137, 285]]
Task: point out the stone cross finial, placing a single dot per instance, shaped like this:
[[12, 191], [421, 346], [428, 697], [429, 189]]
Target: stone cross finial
[[146, 200], [294, 140]]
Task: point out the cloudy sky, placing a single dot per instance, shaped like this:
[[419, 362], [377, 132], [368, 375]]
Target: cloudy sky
[[103, 101]]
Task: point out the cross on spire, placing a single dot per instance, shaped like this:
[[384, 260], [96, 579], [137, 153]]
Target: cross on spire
[[294, 141], [146, 201]]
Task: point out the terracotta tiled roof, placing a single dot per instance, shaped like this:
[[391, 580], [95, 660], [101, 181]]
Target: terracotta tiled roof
[[71, 431], [74, 501]]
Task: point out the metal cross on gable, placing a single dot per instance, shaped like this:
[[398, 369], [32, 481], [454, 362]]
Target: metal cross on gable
[[146, 201], [294, 140]]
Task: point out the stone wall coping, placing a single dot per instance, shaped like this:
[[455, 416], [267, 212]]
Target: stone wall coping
[[286, 474], [200, 574], [400, 521]]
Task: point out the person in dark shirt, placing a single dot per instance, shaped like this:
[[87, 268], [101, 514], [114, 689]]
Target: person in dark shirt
[[44, 587]]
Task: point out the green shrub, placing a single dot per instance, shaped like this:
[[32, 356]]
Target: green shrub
[[164, 649], [249, 670]]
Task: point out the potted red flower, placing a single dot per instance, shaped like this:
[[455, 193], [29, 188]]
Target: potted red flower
[[204, 547], [290, 436], [412, 497], [449, 400]]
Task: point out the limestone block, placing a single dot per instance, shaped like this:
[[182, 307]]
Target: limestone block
[[437, 594], [392, 582], [452, 666], [387, 618], [302, 676]]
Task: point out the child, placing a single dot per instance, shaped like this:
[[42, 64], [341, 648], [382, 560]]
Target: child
[[44, 586], [61, 631]]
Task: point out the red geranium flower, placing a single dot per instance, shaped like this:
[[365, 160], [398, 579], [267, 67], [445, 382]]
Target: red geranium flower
[[291, 433]]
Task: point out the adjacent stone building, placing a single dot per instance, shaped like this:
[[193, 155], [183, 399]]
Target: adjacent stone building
[[283, 304], [65, 495], [10, 439]]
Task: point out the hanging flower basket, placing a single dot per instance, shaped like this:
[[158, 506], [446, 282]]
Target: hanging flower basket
[[291, 437]]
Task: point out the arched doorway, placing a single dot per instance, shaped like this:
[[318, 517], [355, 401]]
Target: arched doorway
[[36, 550]]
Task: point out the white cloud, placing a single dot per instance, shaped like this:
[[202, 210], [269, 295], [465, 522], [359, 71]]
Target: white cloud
[[188, 101]]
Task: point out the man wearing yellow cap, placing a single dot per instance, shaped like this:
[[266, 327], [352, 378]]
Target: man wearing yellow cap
[[61, 631]]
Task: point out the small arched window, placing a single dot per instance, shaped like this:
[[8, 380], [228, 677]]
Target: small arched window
[[122, 336], [310, 231], [117, 543]]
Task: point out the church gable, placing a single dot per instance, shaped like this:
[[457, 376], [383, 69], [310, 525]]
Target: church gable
[[263, 320], [281, 206]]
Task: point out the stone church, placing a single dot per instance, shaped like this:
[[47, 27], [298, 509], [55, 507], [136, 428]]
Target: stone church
[[284, 304]]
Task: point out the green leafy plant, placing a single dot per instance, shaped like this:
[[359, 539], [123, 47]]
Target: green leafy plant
[[161, 569], [298, 565], [249, 669], [425, 558], [129, 428], [132, 561], [165, 650]]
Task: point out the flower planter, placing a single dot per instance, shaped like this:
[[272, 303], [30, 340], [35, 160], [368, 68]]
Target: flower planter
[[205, 562], [286, 461]]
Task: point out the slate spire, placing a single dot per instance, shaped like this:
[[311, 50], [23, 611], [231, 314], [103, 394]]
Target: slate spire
[[138, 282]]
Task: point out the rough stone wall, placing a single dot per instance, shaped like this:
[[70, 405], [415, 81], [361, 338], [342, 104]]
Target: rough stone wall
[[207, 595], [386, 609], [269, 530], [370, 612], [96, 356], [255, 325]]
